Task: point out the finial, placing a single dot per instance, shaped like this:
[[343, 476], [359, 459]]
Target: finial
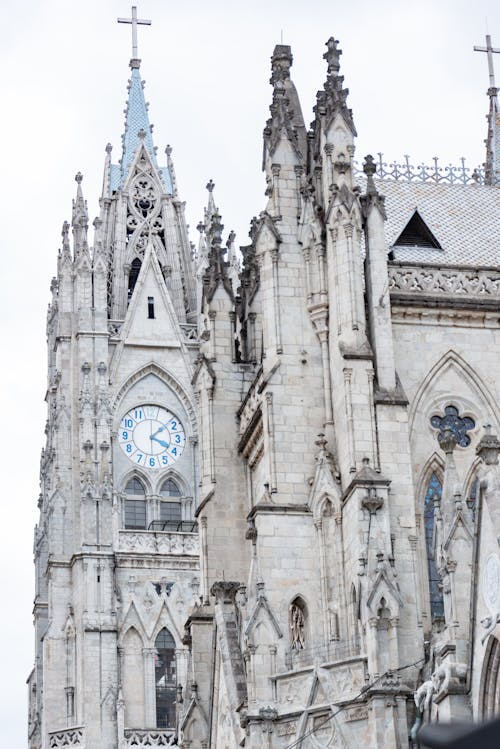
[[369, 167], [79, 178], [134, 21], [141, 134], [109, 147], [210, 186], [168, 150], [490, 51], [332, 55]]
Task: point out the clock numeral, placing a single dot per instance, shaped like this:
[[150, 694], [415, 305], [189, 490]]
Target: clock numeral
[[174, 451], [151, 412], [139, 457], [128, 448], [152, 462], [128, 423], [178, 438], [138, 413], [164, 460], [125, 435], [173, 425]]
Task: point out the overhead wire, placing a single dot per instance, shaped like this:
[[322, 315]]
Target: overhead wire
[[363, 691]]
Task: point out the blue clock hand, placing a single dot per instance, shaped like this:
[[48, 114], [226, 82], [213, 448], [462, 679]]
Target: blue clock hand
[[161, 429], [160, 442]]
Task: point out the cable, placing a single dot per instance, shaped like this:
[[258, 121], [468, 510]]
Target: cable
[[342, 707]]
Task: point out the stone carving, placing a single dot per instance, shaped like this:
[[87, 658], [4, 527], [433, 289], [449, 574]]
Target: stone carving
[[67, 737], [491, 581], [477, 284], [190, 333], [423, 695], [297, 624]]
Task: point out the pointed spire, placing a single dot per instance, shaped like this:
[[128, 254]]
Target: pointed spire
[[211, 208], [80, 218], [136, 122], [286, 114], [216, 271], [492, 164], [333, 98]]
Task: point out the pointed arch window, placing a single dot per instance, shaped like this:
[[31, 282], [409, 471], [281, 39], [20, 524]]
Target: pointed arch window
[[135, 505], [433, 496], [133, 275], [165, 679]]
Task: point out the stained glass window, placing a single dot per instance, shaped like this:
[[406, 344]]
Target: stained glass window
[[456, 424], [434, 491], [165, 679]]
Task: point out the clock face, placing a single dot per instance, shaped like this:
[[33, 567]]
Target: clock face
[[151, 437]]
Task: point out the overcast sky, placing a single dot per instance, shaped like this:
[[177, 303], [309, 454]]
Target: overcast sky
[[415, 85]]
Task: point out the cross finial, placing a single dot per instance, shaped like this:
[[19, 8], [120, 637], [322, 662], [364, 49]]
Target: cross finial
[[489, 51], [135, 22]]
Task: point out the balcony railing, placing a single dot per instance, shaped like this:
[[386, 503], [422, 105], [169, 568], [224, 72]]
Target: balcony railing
[[137, 738], [66, 738], [161, 541]]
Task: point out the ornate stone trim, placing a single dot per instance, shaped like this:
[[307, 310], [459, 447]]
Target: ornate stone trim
[[67, 737], [460, 282], [159, 543]]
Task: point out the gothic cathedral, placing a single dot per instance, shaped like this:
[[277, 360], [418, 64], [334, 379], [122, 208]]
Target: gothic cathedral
[[270, 491]]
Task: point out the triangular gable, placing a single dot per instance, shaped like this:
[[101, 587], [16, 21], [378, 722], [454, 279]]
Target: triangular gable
[[383, 586], [163, 328], [417, 234], [459, 520], [262, 604]]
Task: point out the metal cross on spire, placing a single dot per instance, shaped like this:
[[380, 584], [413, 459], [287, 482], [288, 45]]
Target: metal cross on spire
[[135, 22], [489, 51]]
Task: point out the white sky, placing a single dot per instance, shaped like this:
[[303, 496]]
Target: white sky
[[416, 87]]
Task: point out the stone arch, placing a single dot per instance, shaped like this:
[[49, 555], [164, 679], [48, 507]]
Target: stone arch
[[453, 360], [132, 657], [489, 693], [139, 474], [180, 480], [168, 379]]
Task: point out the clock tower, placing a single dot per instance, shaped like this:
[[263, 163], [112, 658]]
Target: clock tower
[[116, 546]]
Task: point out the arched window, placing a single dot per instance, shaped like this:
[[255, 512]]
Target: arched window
[[433, 493], [170, 511], [297, 623], [133, 275], [170, 489], [134, 515], [165, 679]]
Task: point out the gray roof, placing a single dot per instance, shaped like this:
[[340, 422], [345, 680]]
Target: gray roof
[[463, 218]]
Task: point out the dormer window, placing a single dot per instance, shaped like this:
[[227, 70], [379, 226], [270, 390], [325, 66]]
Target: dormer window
[[417, 234]]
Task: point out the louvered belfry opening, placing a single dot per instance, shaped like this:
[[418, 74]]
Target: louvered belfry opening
[[417, 234]]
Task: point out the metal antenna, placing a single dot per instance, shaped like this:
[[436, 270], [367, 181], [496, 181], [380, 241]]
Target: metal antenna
[[135, 22]]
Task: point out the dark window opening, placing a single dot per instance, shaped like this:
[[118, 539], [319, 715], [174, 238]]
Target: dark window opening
[[151, 307], [165, 679], [133, 275], [433, 493]]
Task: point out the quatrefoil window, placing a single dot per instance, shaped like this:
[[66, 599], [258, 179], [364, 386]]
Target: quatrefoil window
[[456, 424]]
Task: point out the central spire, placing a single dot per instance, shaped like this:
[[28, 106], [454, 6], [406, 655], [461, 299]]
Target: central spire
[[138, 130]]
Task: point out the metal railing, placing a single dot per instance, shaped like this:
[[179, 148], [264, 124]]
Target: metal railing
[[434, 173]]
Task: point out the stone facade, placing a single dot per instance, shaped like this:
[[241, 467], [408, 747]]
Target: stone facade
[[269, 509]]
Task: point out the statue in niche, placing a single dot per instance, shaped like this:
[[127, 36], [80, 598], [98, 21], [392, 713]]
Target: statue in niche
[[297, 626]]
